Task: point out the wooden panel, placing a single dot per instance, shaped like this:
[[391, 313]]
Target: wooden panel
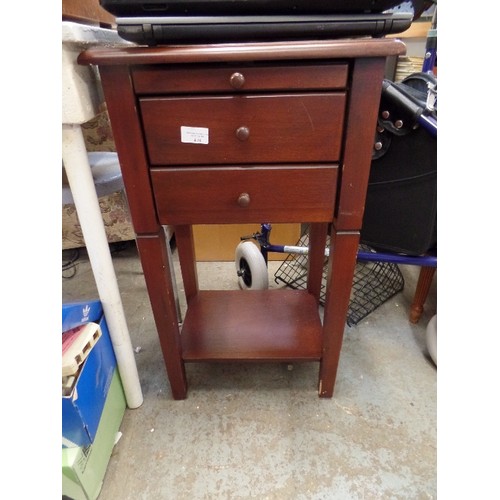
[[86, 11], [277, 194], [220, 326], [418, 29], [205, 79], [217, 242], [281, 128]]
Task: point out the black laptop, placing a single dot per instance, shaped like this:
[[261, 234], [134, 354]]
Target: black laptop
[[159, 22]]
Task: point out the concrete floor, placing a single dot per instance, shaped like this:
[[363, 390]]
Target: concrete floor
[[260, 430]]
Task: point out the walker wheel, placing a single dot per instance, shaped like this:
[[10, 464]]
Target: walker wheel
[[251, 267]]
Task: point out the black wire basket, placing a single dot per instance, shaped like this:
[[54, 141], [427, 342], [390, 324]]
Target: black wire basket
[[373, 284]]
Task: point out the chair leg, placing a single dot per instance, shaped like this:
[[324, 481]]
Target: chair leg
[[422, 290]]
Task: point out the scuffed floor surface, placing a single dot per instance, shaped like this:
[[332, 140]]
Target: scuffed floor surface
[[260, 430]]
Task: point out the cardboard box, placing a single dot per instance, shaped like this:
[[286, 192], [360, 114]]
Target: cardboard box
[[82, 408], [84, 468]]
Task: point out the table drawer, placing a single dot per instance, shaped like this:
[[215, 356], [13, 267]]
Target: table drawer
[[244, 194], [208, 79], [244, 129]]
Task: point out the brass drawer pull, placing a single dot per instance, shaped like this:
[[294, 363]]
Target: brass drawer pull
[[244, 200], [242, 133], [237, 80]]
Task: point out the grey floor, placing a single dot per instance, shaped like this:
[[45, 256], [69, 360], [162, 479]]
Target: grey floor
[[260, 430]]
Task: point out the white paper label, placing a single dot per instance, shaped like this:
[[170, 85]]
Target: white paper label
[[194, 135]]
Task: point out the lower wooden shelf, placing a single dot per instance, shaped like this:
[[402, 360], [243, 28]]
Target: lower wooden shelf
[[252, 325]]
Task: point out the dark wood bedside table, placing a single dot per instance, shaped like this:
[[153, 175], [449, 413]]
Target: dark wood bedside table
[[246, 133]]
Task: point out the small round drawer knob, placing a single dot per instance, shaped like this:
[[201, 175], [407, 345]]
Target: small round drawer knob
[[244, 200], [242, 133], [237, 80]]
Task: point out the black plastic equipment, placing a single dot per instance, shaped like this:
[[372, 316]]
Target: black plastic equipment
[[401, 204]]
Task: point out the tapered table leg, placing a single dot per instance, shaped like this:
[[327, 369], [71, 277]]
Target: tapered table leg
[[343, 252], [158, 275], [422, 290]]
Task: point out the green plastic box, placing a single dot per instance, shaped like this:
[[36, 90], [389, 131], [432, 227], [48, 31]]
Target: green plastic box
[[84, 468]]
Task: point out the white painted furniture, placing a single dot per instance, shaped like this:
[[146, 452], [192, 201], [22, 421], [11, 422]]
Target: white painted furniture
[[80, 98]]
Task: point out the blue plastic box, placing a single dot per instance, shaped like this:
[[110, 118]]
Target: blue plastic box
[[82, 410]]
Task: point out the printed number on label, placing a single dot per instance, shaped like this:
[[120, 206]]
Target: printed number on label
[[194, 135]]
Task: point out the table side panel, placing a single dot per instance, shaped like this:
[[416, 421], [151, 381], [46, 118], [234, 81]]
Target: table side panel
[[127, 134], [364, 99]]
